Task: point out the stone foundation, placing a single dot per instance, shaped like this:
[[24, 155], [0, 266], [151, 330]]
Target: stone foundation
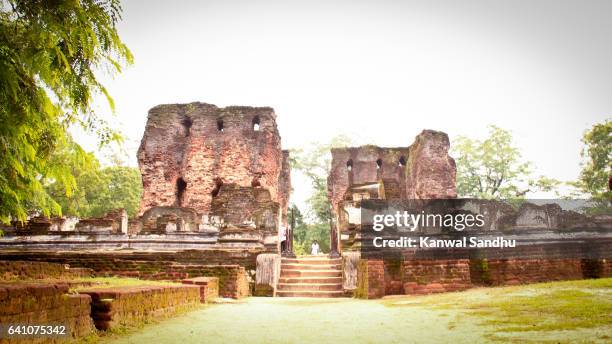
[[209, 287], [175, 266], [22, 270], [377, 278], [35, 303], [132, 306]]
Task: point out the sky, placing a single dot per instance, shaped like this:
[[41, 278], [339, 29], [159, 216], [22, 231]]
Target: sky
[[380, 71]]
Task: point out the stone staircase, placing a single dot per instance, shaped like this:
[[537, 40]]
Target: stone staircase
[[317, 276]]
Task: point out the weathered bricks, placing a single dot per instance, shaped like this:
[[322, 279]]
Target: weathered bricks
[[45, 303], [129, 306], [189, 151], [209, 287]]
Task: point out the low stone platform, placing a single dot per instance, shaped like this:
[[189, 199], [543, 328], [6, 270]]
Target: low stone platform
[[209, 287], [129, 306], [45, 303]]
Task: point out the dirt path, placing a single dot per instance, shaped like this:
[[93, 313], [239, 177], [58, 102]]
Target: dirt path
[[299, 320]]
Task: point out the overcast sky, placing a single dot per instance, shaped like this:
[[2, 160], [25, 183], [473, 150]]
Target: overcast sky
[[379, 70]]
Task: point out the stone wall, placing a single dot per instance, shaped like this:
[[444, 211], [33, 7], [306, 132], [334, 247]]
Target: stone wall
[[209, 287], [523, 271], [35, 303], [232, 268], [435, 276], [131, 306], [423, 170], [189, 150], [377, 277], [23, 270]]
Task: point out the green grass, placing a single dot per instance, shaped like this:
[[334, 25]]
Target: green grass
[[114, 282], [554, 310], [558, 312]]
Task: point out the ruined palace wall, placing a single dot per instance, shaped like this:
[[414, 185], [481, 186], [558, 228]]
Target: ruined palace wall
[[201, 146], [284, 187], [423, 170], [431, 172], [365, 168]]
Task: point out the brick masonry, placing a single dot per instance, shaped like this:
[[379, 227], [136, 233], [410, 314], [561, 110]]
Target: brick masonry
[[189, 151], [234, 280], [130, 306], [45, 303], [377, 278], [209, 287]]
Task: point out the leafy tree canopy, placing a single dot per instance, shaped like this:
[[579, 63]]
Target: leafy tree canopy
[[597, 164], [315, 164], [99, 190], [50, 52], [492, 168]]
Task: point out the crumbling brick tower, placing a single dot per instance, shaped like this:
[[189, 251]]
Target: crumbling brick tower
[[220, 162], [423, 170]]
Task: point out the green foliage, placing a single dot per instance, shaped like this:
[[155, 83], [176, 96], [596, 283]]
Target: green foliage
[[315, 163], [305, 233], [101, 190], [493, 168], [597, 166], [49, 52]]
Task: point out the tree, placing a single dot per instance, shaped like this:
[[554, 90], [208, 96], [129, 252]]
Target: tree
[[597, 164], [50, 54], [304, 234], [101, 190], [493, 168], [315, 163]]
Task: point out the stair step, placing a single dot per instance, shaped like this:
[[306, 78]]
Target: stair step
[[312, 261], [310, 286], [286, 293], [311, 266], [310, 280], [310, 273]]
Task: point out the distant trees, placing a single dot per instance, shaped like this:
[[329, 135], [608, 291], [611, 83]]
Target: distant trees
[[50, 53], [99, 190], [492, 168], [597, 163], [315, 164]]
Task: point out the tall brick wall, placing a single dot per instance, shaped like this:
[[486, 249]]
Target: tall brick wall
[[189, 150], [364, 162], [423, 170]]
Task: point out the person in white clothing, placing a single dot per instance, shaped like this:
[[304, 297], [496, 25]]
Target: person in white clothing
[[314, 248]]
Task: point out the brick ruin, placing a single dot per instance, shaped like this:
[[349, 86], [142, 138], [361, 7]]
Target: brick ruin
[[423, 170], [216, 190], [225, 165]]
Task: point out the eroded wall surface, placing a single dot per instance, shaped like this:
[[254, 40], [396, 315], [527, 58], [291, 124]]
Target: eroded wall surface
[[423, 170], [189, 152]]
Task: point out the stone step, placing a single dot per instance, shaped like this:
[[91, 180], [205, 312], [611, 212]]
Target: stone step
[[312, 261], [309, 286], [311, 266], [310, 273], [310, 280], [287, 293]]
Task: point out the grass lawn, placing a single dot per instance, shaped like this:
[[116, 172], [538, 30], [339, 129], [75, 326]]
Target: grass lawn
[[559, 312], [114, 282]]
